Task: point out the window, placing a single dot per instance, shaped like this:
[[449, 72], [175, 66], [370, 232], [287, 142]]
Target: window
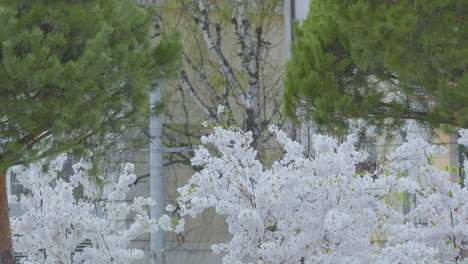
[[14, 187]]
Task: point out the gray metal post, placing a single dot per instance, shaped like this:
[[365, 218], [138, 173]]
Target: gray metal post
[[453, 157], [156, 176], [287, 27]]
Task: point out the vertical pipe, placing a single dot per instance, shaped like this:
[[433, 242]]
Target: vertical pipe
[[453, 157], [156, 176], [287, 27]]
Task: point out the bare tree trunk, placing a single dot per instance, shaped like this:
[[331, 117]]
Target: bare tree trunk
[[250, 122], [6, 245]]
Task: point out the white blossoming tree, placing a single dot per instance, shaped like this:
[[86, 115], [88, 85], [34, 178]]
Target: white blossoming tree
[[439, 218], [319, 210], [299, 210], [60, 214]]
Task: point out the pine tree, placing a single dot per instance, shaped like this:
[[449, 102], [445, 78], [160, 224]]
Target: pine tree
[[381, 61], [71, 73]]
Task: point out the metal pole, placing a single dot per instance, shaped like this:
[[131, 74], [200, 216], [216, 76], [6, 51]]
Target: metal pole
[[156, 176], [454, 157], [288, 20]]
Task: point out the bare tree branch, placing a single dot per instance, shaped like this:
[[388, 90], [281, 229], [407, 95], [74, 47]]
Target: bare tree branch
[[201, 76], [188, 86], [204, 25]]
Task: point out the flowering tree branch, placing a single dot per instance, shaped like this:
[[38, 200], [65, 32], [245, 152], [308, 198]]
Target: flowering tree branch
[[59, 215], [320, 209]]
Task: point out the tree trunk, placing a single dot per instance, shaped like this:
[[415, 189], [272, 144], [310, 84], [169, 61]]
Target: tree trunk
[[6, 246], [250, 124]]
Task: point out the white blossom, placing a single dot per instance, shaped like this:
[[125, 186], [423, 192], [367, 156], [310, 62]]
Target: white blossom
[[59, 215], [463, 137], [320, 209], [220, 109]]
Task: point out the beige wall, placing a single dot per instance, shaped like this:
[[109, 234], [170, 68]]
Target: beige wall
[[449, 160], [193, 246]]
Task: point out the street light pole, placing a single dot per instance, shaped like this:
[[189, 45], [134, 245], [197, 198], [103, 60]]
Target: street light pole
[[156, 175]]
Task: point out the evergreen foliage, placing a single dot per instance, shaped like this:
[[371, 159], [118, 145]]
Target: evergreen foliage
[[73, 71], [381, 61]]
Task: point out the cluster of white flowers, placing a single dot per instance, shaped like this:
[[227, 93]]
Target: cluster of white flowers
[[439, 219], [463, 137], [60, 214], [320, 210]]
